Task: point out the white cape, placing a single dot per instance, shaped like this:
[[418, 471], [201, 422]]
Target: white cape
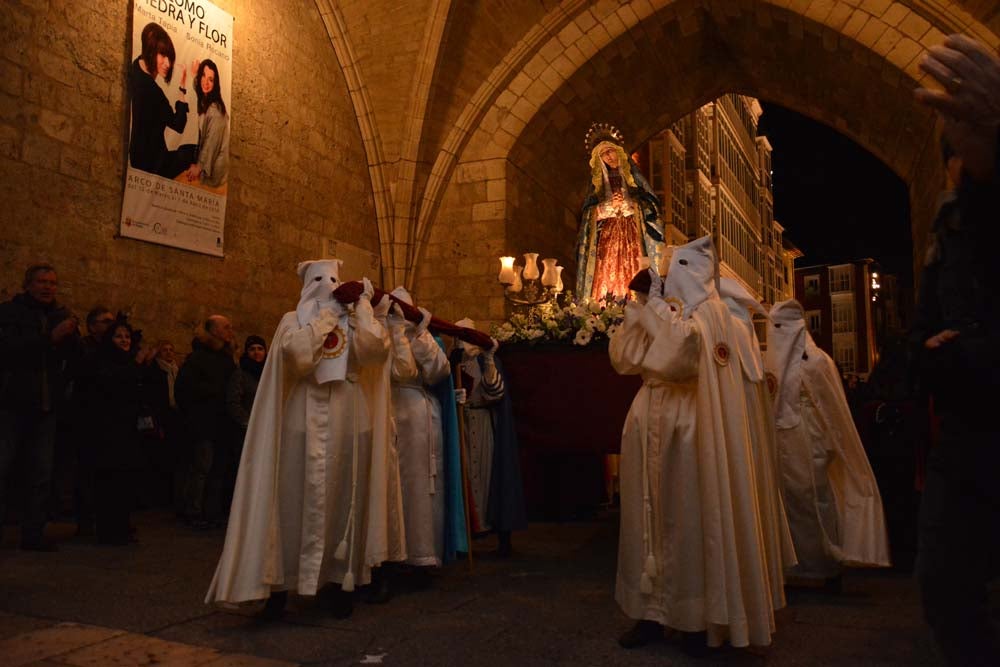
[[296, 479], [831, 498], [700, 537]]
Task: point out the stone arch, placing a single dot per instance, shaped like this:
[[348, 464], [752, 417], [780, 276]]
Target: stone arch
[[511, 157]]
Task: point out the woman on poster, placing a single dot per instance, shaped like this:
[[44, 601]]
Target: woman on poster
[[620, 221], [212, 166], [151, 111]]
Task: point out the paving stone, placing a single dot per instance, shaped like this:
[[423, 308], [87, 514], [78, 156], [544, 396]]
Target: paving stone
[[240, 660], [134, 650], [59, 639], [16, 624]]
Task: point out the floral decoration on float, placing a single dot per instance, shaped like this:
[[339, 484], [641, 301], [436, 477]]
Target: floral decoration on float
[[580, 323]]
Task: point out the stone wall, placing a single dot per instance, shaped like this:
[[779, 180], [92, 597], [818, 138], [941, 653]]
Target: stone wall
[[298, 170]]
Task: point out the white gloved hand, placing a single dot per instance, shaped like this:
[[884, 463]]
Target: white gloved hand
[[381, 309], [368, 290], [326, 321], [424, 322], [655, 284], [461, 396]]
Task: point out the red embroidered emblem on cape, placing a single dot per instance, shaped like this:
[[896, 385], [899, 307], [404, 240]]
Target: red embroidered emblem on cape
[[772, 383], [335, 344], [721, 353]]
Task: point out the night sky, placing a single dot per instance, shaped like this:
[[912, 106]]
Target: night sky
[[836, 201]]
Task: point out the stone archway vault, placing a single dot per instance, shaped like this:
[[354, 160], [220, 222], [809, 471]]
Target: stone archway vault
[[502, 169]]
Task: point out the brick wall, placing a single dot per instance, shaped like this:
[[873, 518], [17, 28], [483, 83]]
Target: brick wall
[[298, 171]]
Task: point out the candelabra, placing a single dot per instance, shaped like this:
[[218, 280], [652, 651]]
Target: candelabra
[[522, 285]]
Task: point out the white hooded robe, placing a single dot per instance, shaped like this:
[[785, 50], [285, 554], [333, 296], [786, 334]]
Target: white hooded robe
[[313, 472], [831, 498], [693, 556], [778, 538], [417, 363]]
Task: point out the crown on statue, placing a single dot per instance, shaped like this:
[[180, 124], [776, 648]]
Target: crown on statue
[[599, 132]]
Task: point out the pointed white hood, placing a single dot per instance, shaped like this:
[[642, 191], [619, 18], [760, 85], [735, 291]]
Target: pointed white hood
[[691, 278], [319, 278], [740, 302], [786, 342]]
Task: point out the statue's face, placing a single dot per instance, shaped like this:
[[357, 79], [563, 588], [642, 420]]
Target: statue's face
[[610, 157]]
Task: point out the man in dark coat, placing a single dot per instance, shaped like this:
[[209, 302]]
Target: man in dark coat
[[200, 391], [955, 339], [99, 320], [38, 340]]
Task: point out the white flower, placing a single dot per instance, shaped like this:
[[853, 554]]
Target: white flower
[[613, 329], [534, 334], [583, 337], [594, 307]]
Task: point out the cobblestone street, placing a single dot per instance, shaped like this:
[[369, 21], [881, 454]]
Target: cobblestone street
[[551, 605]]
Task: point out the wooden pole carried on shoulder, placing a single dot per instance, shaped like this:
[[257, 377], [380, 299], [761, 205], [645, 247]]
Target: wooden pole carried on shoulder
[[464, 460]]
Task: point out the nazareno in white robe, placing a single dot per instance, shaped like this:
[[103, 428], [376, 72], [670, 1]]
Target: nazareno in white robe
[[316, 470], [698, 562], [831, 497], [418, 362], [778, 538]]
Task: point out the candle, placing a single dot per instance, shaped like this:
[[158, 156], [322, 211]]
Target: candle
[[506, 276], [530, 266], [549, 278], [559, 284], [517, 286]]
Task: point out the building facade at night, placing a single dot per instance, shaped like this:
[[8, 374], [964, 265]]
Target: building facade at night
[[713, 175], [839, 301]]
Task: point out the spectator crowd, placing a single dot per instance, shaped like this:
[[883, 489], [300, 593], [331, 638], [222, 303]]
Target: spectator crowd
[[97, 423]]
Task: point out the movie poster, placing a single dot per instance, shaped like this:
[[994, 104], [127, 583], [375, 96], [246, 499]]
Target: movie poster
[[179, 93]]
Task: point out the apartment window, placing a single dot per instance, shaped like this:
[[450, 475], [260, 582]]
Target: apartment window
[[844, 356], [840, 278], [843, 316], [814, 320], [812, 285]]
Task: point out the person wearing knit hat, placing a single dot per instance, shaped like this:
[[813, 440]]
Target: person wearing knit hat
[[243, 383]]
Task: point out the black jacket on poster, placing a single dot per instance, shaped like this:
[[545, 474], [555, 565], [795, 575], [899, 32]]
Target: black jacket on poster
[[151, 115]]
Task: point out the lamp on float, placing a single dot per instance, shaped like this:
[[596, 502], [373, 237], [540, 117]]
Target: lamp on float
[[525, 285]]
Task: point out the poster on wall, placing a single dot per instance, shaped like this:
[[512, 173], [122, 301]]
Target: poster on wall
[[179, 91]]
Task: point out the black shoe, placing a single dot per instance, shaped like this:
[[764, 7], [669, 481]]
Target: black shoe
[[421, 579], [834, 585], [695, 644], [274, 608], [504, 547], [337, 601], [642, 633], [113, 541], [40, 545], [378, 592]]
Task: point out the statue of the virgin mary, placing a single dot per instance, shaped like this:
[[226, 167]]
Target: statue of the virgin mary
[[620, 222]]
